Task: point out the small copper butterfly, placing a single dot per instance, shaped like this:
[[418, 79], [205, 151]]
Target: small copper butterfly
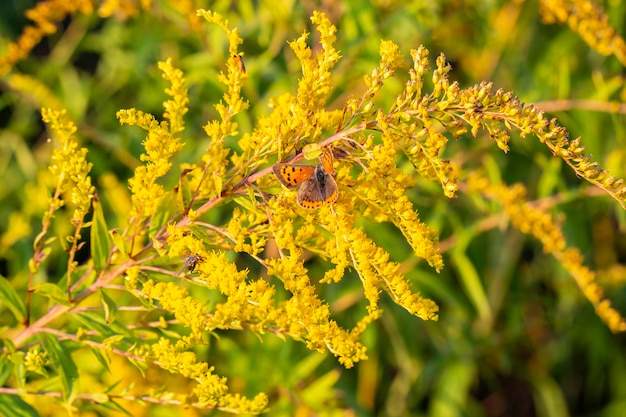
[[317, 185]]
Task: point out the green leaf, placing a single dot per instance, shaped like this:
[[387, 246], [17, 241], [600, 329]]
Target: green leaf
[[52, 291], [68, 373], [120, 244], [183, 195], [162, 215], [470, 277], [321, 390], [306, 367], [13, 301], [101, 358], [100, 398], [453, 389], [96, 322], [110, 341], [141, 366], [14, 406], [549, 397], [19, 369], [110, 308], [100, 240], [6, 369], [113, 406]]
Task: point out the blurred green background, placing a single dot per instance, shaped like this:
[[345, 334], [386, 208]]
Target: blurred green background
[[516, 337]]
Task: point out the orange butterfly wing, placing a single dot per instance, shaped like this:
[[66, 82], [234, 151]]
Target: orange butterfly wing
[[317, 185], [327, 160], [292, 175]]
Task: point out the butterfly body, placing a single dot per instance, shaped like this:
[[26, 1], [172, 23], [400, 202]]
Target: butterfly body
[[317, 185]]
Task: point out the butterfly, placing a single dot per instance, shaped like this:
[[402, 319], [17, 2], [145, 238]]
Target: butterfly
[[317, 185]]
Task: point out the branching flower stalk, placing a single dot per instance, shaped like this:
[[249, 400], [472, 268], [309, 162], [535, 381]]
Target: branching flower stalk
[[587, 19], [368, 142], [71, 169]]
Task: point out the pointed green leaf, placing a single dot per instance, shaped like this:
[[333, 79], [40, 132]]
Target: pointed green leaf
[[162, 215], [139, 365], [100, 398], [6, 369], [183, 196], [120, 244], [110, 308], [101, 358], [96, 322], [16, 359], [19, 369], [113, 406], [111, 341], [14, 406], [321, 390], [10, 298], [52, 291], [68, 374], [100, 240]]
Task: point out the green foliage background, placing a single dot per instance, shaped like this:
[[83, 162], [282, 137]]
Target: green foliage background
[[515, 336]]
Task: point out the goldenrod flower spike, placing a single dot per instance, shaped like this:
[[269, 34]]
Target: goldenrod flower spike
[[315, 86], [541, 225], [69, 165], [162, 143], [45, 15], [590, 21]]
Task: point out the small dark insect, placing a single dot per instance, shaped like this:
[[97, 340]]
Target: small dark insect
[[192, 261], [242, 66]]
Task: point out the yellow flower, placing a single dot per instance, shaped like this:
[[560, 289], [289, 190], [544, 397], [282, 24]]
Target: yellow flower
[[590, 21], [35, 360], [122, 9], [539, 224], [69, 162], [161, 144], [45, 15]]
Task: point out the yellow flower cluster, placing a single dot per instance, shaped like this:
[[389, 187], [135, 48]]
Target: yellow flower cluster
[[315, 86], [498, 112], [161, 144], [305, 316], [233, 80], [590, 21], [541, 225], [45, 15], [412, 123], [211, 389], [376, 271], [306, 110], [32, 87], [36, 359], [122, 9], [251, 303], [210, 178], [238, 404], [71, 169], [175, 300], [69, 163], [243, 229], [175, 359], [385, 188]]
